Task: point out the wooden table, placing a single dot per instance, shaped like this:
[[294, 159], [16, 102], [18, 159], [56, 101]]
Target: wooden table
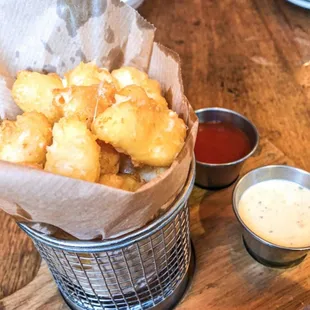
[[246, 55]]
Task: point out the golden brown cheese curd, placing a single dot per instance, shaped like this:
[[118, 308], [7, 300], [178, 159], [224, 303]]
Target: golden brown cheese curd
[[134, 93], [150, 134], [84, 101], [109, 159], [86, 74], [25, 140], [33, 91], [74, 152], [121, 181], [127, 76]]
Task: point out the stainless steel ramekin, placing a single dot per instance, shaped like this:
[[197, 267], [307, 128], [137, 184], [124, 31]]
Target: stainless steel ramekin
[[262, 250], [221, 175]]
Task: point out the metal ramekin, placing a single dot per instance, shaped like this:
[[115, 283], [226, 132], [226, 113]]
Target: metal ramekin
[[262, 250], [221, 175]]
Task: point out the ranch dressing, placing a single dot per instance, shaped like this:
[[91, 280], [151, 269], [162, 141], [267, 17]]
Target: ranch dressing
[[278, 211]]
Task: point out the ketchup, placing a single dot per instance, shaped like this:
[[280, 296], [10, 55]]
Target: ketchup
[[219, 143]]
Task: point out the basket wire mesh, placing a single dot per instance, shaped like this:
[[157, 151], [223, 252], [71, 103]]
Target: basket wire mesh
[[136, 272]]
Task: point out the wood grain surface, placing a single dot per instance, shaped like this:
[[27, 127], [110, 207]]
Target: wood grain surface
[[19, 261], [246, 55]]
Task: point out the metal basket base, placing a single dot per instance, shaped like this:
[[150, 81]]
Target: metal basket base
[[171, 301]]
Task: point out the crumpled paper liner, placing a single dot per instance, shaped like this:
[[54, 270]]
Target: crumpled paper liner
[[55, 36]]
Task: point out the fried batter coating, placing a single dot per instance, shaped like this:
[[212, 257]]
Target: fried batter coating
[[126, 182], [86, 74], [153, 90], [74, 152], [33, 91], [126, 76], [85, 101], [150, 134], [25, 140], [109, 159], [134, 93]]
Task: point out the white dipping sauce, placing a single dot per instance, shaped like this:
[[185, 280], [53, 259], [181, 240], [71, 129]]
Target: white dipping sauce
[[278, 211]]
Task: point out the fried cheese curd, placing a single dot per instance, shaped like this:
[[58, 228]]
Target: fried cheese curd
[[98, 117], [148, 132], [24, 141], [86, 74], [126, 76], [84, 101], [33, 91], [125, 182], [109, 159], [74, 152]]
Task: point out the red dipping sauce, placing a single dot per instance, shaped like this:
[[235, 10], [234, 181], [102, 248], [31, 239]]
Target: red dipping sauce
[[220, 143]]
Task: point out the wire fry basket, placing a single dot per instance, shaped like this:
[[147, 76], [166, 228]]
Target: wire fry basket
[[145, 269]]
